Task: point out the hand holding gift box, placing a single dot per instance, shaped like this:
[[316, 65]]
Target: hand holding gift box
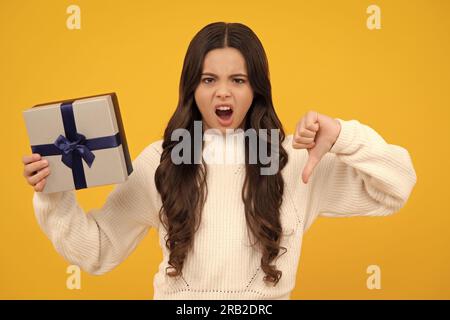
[[83, 141]]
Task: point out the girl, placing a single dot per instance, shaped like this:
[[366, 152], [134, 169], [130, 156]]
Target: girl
[[228, 231]]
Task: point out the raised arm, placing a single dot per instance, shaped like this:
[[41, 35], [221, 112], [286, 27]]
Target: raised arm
[[101, 239], [365, 176], [351, 170]]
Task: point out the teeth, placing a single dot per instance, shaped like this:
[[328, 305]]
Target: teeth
[[224, 108]]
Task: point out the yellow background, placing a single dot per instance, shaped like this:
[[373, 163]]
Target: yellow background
[[321, 57]]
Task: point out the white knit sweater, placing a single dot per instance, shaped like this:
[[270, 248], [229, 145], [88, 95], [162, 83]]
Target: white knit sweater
[[362, 175]]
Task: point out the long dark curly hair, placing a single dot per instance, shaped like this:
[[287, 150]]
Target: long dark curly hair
[[183, 187]]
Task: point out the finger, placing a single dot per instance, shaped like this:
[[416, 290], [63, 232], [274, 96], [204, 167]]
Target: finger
[[33, 180], [31, 158], [40, 185], [311, 117], [304, 140], [30, 169], [298, 127], [303, 146], [314, 127], [312, 121], [303, 132], [309, 167]]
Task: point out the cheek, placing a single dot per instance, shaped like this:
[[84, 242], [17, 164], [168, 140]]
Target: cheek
[[201, 100], [245, 100]]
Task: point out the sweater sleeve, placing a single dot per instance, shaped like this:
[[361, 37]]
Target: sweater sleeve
[[363, 175], [99, 240]]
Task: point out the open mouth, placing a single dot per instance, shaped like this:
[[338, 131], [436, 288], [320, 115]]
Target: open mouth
[[224, 112]]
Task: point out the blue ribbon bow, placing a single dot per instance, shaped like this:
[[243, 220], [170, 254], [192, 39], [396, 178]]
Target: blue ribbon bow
[[67, 148]]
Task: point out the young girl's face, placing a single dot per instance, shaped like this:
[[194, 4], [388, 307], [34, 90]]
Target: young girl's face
[[224, 94]]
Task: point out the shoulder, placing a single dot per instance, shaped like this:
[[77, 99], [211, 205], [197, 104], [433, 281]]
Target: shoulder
[[151, 154], [155, 146]]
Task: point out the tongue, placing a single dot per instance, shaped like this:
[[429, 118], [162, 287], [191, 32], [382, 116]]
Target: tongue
[[224, 113]]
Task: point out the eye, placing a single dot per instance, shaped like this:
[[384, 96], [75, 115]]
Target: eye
[[205, 80], [240, 81]]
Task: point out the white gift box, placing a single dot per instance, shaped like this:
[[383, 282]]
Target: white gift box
[[83, 140]]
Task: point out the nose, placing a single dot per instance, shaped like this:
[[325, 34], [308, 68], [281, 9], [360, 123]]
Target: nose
[[223, 91]]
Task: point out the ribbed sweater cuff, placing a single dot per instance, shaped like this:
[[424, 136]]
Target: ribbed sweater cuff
[[47, 201], [346, 136]]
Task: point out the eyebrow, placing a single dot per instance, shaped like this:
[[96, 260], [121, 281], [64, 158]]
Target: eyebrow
[[232, 75]]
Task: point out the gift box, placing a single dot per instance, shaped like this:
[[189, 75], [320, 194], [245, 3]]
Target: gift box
[[83, 140]]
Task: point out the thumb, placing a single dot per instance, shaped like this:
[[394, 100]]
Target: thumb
[[313, 160]]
